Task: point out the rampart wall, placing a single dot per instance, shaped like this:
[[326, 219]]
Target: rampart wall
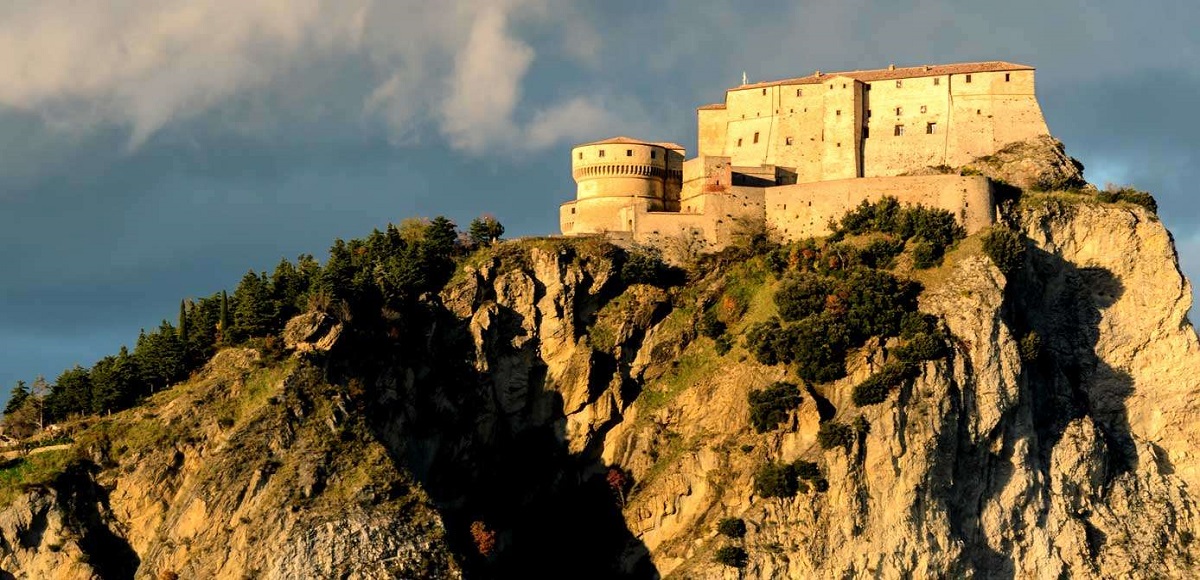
[[805, 209]]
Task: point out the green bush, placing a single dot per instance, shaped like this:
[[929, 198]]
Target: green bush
[[722, 345], [711, 324], [880, 253], [776, 480], [878, 386], [731, 527], [914, 323], [1005, 248], [643, 267], [1129, 195], [935, 227], [924, 255], [806, 469], [731, 556], [921, 347], [769, 407], [803, 295], [832, 435]]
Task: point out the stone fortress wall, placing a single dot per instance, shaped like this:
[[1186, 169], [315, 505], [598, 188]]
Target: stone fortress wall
[[797, 152]]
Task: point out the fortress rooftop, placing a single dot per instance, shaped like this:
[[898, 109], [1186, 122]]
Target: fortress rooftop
[[890, 73], [631, 141]]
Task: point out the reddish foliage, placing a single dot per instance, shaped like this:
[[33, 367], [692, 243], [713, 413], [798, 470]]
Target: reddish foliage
[[485, 539]]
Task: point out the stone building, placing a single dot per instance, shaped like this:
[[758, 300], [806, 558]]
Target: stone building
[[796, 152]]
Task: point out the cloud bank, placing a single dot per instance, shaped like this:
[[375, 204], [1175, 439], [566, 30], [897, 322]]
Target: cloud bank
[[455, 68]]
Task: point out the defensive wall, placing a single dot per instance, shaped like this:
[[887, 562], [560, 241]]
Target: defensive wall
[[805, 209]]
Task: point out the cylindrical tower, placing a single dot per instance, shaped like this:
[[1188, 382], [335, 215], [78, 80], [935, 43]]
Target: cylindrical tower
[[616, 178]]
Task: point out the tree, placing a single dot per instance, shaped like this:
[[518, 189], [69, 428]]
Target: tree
[[71, 394], [116, 383], [183, 322], [484, 230], [16, 398], [254, 312], [485, 539], [161, 357], [223, 324]]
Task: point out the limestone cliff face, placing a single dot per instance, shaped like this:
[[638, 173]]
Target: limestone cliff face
[[1079, 463], [581, 416]]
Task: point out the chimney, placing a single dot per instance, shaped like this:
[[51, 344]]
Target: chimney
[[891, 67], [818, 73]]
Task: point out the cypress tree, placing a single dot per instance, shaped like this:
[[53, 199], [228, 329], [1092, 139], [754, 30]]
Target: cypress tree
[[183, 325], [223, 323]]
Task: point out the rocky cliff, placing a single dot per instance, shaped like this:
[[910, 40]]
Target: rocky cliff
[[564, 416]]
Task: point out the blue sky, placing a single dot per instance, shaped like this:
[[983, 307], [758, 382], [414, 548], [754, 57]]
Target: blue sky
[[152, 150]]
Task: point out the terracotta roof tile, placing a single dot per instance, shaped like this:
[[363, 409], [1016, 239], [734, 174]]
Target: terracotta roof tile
[[897, 73]]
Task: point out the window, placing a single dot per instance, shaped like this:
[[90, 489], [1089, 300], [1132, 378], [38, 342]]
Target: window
[[653, 154], [937, 81], [899, 84], [756, 136], [899, 111], [968, 78], [1006, 77], [839, 144], [581, 154], [978, 111], [788, 141], [602, 153], [764, 91], [930, 128], [739, 143], [899, 130], [831, 86], [923, 108], [629, 152], [572, 210], [799, 92], [866, 132], [839, 113], [868, 113], [843, 85]]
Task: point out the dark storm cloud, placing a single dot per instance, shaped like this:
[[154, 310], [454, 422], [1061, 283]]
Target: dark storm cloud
[[122, 193]]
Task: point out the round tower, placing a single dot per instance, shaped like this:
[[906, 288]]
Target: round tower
[[615, 178]]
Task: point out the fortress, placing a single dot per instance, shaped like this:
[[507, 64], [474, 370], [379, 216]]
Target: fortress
[[795, 153]]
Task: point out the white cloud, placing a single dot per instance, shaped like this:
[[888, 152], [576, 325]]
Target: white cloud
[[143, 64]]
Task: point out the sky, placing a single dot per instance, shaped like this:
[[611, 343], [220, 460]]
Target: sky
[[154, 150]]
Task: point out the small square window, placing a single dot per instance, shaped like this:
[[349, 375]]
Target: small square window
[[756, 136], [899, 130], [764, 91], [629, 152], [602, 153], [839, 113], [1006, 77], [968, 78], [930, 128], [978, 111], [653, 154], [581, 154], [937, 81], [899, 84], [923, 109], [787, 141], [843, 85], [572, 210], [839, 144], [799, 92], [739, 143], [899, 111], [831, 86]]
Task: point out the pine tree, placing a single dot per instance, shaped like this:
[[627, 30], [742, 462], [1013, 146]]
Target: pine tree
[[485, 230], [254, 312], [16, 398]]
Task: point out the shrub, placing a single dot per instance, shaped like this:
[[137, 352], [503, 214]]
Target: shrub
[[1031, 346], [924, 256], [914, 323], [722, 345], [731, 527], [1113, 194], [935, 227], [803, 295], [770, 407], [878, 386], [921, 347], [485, 539], [731, 556], [711, 324], [880, 253], [1005, 248], [776, 480], [832, 435], [818, 347], [806, 469]]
